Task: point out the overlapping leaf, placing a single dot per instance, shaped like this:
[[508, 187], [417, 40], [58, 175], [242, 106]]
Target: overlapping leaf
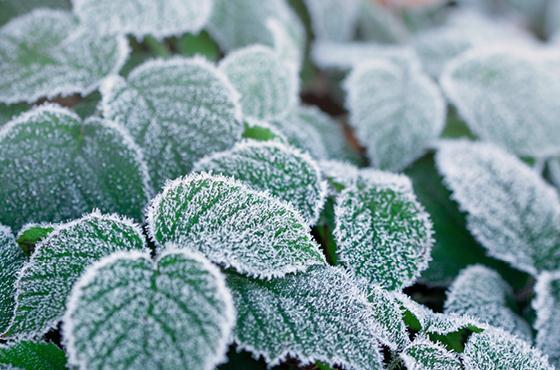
[[32, 355], [547, 307], [11, 261], [47, 278], [128, 311], [334, 20], [511, 211], [177, 110], [233, 225], [422, 354], [44, 54]]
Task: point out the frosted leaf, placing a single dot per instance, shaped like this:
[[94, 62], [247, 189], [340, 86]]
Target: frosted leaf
[[510, 210], [422, 354], [13, 8], [397, 112], [497, 350], [481, 293], [44, 54], [31, 234], [554, 170], [177, 110], [272, 167], [9, 111], [159, 18], [388, 315], [127, 311], [32, 355], [315, 132], [508, 98], [267, 85], [55, 167], [11, 261], [383, 234], [46, 279], [333, 20], [547, 306], [339, 175], [377, 23], [318, 315], [286, 44], [233, 225]]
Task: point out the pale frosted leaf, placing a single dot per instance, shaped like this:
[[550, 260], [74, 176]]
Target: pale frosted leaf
[[233, 225], [55, 167], [286, 43], [507, 97], [376, 23], [46, 279], [510, 210], [14, 8], [422, 354], [267, 85], [44, 54], [334, 20], [384, 236], [553, 18], [177, 110], [159, 18], [481, 293], [318, 315], [497, 350], [11, 261], [547, 306], [32, 355], [129, 312], [397, 112], [271, 167]]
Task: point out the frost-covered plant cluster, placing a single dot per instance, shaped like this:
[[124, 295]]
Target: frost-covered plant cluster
[[291, 184]]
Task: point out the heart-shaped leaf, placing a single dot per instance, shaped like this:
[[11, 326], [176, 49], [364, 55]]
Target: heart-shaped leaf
[[30, 355], [383, 234], [334, 20], [268, 86], [397, 112], [44, 54], [507, 98], [127, 311], [160, 18], [423, 354], [547, 307], [284, 172], [319, 315], [481, 293], [177, 110], [11, 261], [233, 225], [55, 167], [511, 211], [46, 280]]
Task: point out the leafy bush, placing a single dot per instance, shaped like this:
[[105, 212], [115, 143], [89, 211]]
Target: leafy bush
[[291, 184]]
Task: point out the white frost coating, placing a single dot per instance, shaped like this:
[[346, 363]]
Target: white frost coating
[[340, 175], [397, 112], [11, 261], [547, 306], [46, 279], [45, 54], [128, 311], [481, 293], [286, 46], [272, 167], [267, 85], [319, 315], [159, 18], [497, 350], [55, 167], [334, 20], [233, 225], [177, 110], [423, 354], [508, 97], [383, 233], [510, 210]]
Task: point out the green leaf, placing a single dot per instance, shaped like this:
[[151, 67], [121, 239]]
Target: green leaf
[[160, 18], [397, 112], [201, 44], [177, 110], [11, 262], [31, 234], [261, 131], [233, 225], [383, 234], [55, 167], [481, 293], [268, 86], [511, 211], [128, 311], [284, 172], [507, 98], [547, 306], [47, 278], [422, 354], [45, 54], [318, 315], [30, 355]]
